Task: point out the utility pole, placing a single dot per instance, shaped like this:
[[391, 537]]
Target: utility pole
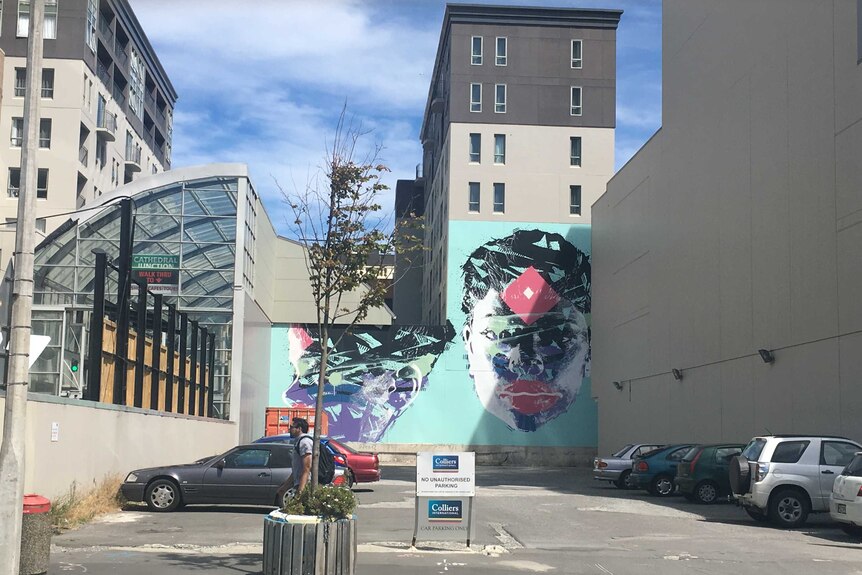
[[14, 424]]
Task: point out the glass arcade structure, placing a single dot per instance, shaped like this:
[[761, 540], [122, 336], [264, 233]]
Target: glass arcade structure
[[206, 217]]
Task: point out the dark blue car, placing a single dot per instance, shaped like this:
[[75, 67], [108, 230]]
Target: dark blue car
[[655, 471]]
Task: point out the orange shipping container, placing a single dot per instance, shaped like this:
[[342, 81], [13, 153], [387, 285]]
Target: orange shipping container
[[278, 419]]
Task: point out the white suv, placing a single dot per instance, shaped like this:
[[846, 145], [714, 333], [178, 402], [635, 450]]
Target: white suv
[[785, 477]]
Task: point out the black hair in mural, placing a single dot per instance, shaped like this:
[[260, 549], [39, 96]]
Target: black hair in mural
[[499, 262]]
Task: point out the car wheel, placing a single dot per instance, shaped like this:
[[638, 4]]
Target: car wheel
[[163, 495], [706, 492], [788, 508], [852, 530], [624, 481], [351, 479], [662, 485]]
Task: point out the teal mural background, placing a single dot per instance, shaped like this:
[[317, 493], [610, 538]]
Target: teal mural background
[[448, 410]]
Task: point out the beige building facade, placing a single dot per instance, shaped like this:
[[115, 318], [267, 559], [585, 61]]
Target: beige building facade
[[737, 228], [105, 110]]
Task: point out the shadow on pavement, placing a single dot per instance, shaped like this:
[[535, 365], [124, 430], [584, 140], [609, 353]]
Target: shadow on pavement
[[241, 564]]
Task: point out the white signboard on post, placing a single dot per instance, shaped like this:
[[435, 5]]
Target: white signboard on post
[[445, 473], [445, 487]]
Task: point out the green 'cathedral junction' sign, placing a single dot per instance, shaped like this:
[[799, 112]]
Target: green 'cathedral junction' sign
[[161, 272]]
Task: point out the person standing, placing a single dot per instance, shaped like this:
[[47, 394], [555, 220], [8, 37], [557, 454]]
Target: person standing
[[301, 456]]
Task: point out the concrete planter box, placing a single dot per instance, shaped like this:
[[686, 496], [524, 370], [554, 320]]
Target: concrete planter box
[[299, 545]]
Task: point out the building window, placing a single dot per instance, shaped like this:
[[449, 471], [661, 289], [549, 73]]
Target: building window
[[499, 198], [499, 148], [14, 187], [476, 148], [475, 97], [90, 32], [45, 133], [576, 108], [48, 83], [502, 52], [20, 82], [41, 225], [42, 184], [577, 54], [50, 25], [476, 50], [136, 85], [575, 151], [574, 200], [17, 137], [500, 98], [474, 205]]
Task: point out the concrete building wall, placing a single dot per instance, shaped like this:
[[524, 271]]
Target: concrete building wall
[[537, 172], [294, 302], [538, 75], [736, 228], [128, 438]]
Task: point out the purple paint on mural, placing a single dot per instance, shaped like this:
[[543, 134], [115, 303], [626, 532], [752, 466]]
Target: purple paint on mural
[[373, 375]]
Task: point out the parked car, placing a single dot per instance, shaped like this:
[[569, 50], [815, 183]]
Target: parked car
[[618, 467], [845, 505], [655, 470], [702, 475], [360, 467], [783, 478], [247, 474]]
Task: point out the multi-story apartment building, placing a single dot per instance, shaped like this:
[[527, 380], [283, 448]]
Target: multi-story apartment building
[[518, 128], [105, 113]]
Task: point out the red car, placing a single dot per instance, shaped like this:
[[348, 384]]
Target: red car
[[362, 467]]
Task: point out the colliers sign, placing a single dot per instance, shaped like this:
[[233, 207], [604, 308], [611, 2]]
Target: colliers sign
[[161, 272]]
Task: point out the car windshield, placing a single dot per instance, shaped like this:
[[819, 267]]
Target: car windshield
[[753, 449], [854, 468], [622, 451], [205, 459]]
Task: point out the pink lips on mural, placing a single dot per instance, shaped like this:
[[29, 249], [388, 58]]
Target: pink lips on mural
[[530, 397]]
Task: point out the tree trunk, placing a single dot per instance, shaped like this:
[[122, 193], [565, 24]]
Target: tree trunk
[[318, 406]]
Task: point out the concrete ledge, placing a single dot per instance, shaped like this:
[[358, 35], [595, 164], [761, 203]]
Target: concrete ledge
[[405, 454]]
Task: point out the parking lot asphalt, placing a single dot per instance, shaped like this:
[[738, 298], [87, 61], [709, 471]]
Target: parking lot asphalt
[[527, 520]]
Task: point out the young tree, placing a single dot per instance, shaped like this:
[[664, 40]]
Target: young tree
[[337, 219]]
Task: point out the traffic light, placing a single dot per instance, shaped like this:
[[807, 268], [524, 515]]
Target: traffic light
[[74, 366]]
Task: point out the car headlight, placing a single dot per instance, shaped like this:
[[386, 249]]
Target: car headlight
[[131, 478]]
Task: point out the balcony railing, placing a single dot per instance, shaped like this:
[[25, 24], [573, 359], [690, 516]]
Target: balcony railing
[[121, 54], [84, 155], [133, 154], [117, 92], [103, 73], [106, 123], [106, 31]]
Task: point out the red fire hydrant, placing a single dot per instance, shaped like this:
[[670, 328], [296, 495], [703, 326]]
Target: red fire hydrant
[[35, 536]]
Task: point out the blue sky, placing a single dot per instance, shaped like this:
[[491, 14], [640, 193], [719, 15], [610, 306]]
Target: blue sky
[[262, 82]]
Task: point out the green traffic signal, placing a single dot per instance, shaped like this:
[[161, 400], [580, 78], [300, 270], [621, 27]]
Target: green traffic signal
[[74, 366]]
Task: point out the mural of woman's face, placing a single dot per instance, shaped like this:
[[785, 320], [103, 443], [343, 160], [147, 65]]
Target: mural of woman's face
[[526, 370]]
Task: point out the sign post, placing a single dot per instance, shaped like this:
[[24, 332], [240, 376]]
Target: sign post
[[445, 488]]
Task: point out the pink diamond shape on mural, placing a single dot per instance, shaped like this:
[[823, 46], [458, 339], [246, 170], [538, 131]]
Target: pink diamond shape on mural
[[302, 337], [530, 296]]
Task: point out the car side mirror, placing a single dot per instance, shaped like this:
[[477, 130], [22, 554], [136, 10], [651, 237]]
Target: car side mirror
[[220, 464]]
